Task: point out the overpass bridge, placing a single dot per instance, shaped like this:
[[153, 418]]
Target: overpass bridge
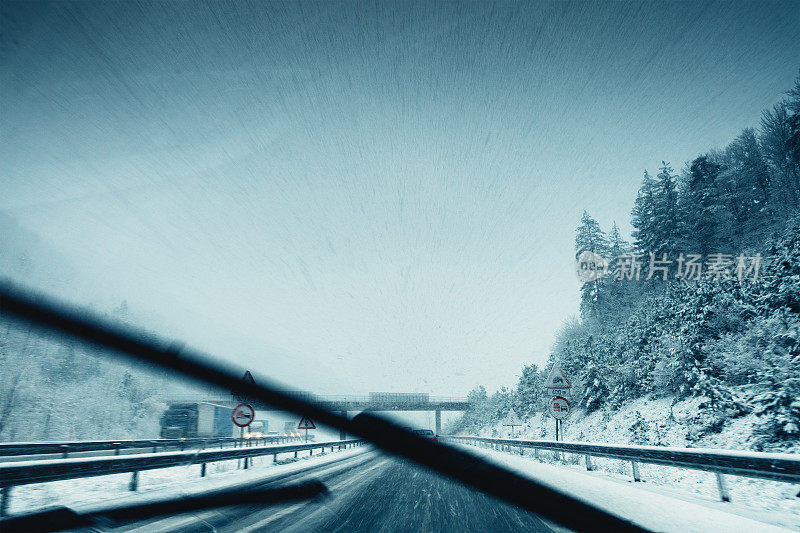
[[374, 402]]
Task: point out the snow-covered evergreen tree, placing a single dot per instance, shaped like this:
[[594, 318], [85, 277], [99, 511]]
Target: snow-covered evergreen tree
[[643, 215], [589, 237]]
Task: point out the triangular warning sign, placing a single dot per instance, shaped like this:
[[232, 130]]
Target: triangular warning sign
[[306, 423], [247, 378], [512, 419], [557, 379]]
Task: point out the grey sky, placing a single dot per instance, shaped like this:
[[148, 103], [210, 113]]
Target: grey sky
[[365, 196]]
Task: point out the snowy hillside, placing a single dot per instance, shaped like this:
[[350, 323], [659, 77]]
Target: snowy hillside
[[661, 422]]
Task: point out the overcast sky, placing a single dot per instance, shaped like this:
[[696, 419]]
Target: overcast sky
[[354, 197]]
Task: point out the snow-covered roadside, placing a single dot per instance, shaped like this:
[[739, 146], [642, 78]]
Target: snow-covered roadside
[[659, 422], [654, 509], [163, 482]]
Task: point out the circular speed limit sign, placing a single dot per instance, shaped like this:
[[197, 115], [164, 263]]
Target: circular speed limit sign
[[243, 415], [559, 408]]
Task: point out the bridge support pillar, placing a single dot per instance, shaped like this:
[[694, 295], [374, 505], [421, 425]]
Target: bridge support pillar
[[438, 422], [342, 433]]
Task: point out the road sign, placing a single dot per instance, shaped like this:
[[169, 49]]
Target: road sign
[[243, 415], [512, 419], [559, 408], [247, 378], [557, 379], [306, 423]]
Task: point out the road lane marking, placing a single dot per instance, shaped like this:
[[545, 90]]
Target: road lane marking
[[297, 507]]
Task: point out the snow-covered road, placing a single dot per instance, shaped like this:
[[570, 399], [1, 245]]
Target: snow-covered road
[[370, 491], [163, 482]]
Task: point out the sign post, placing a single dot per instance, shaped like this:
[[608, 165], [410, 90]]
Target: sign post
[[512, 420], [559, 407], [243, 415], [239, 397], [306, 423]]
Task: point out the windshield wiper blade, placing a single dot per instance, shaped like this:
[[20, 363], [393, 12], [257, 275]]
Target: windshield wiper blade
[[452, 462], [62, 518]]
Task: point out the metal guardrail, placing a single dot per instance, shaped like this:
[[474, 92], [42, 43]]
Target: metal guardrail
[[8, 449], [783, 467], [42, 471]]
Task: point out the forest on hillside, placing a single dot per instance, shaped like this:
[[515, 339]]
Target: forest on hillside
[[55, 388], [704, 300]]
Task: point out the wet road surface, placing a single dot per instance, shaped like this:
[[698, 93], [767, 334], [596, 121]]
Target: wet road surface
[[369, 492]]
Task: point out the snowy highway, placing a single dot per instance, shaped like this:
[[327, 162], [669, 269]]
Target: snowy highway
[[414, 266], [368, 492]]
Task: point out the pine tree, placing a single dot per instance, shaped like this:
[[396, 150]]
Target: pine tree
[[665, 222], [616, 293], [617, 246], [777, 405], [776, 139], [642, 216], [529, 395], [595, 386], [595, 389], [639, 430], [779, 287], [590, 237], [720, 396], [746, 182], [702, 215], [793, 105]]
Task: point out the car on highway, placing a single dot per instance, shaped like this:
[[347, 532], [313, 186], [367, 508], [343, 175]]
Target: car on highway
[[426, 434]]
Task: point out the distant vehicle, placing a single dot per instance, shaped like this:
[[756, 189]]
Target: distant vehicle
[[426, 434], [257, 429], [192, 420]]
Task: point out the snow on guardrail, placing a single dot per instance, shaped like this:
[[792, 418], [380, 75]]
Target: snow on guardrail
[[41, 471], [783, 467], [8, 449]]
